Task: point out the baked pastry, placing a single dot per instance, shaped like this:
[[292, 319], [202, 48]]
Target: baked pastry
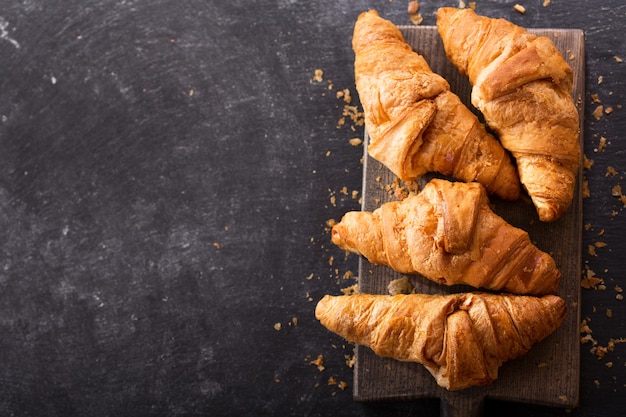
[[449, 234], [522, 85], [415, 123], [462, 339]]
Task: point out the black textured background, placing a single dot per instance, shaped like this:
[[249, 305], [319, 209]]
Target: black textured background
[[167, 169]]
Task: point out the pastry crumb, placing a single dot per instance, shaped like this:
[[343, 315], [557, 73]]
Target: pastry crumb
[[400, 286], [318, 77], [350, 360], [597, 113], [519, 8], [610, 171], [356, 141], [353, 289], [318, 362]]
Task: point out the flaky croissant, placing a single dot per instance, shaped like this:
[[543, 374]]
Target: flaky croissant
[[449, 234], [522, 85], [462, 339], [415, 123]]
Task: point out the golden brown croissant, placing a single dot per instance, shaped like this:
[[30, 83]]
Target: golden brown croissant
[[416, 124], [449, 234], [462, 339], [522, 85]]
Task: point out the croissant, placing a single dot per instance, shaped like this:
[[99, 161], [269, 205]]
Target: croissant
[[462, 339], [415, 123], [522, 85], [449, 234]]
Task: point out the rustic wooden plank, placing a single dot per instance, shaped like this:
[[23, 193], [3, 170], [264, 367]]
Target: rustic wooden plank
[[549, 373]]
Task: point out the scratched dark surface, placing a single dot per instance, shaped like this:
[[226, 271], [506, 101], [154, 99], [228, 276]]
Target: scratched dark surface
[[167, 169]]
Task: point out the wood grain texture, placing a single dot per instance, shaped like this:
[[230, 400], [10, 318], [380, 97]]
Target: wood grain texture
[[549, 373]]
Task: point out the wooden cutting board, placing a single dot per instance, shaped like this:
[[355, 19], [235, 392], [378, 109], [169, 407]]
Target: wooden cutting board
[[549, 373]]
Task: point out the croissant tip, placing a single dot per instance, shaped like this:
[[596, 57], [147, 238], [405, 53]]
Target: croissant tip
[[322, 306]]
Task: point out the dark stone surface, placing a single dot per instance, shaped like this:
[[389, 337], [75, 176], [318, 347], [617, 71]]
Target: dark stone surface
[[166, 174]]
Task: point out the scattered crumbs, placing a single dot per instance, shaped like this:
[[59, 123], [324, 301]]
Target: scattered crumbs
[[355, 194], [472, 5], [353, 113], [319, 362], [609, 364], [345, 95], [353, 289], [328, 153], [332, 380], [591, 280], [587, 163], [618, 289], [519, 8], [546, 3], [608, 110], [348, 275], [619, 297], [331, 223], [342, 385], [331, 260], [191, 93], [597, 113], [294, 321], [461, 4], [344, 190], [216, 245], [602, 144], [308, 297], [310, 277], [318, 77], [596, 383], [277, 326], [617, 59], [413, 11], [609, 313], [542, 365], [563, 398], [600, 79], [595, 98]]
